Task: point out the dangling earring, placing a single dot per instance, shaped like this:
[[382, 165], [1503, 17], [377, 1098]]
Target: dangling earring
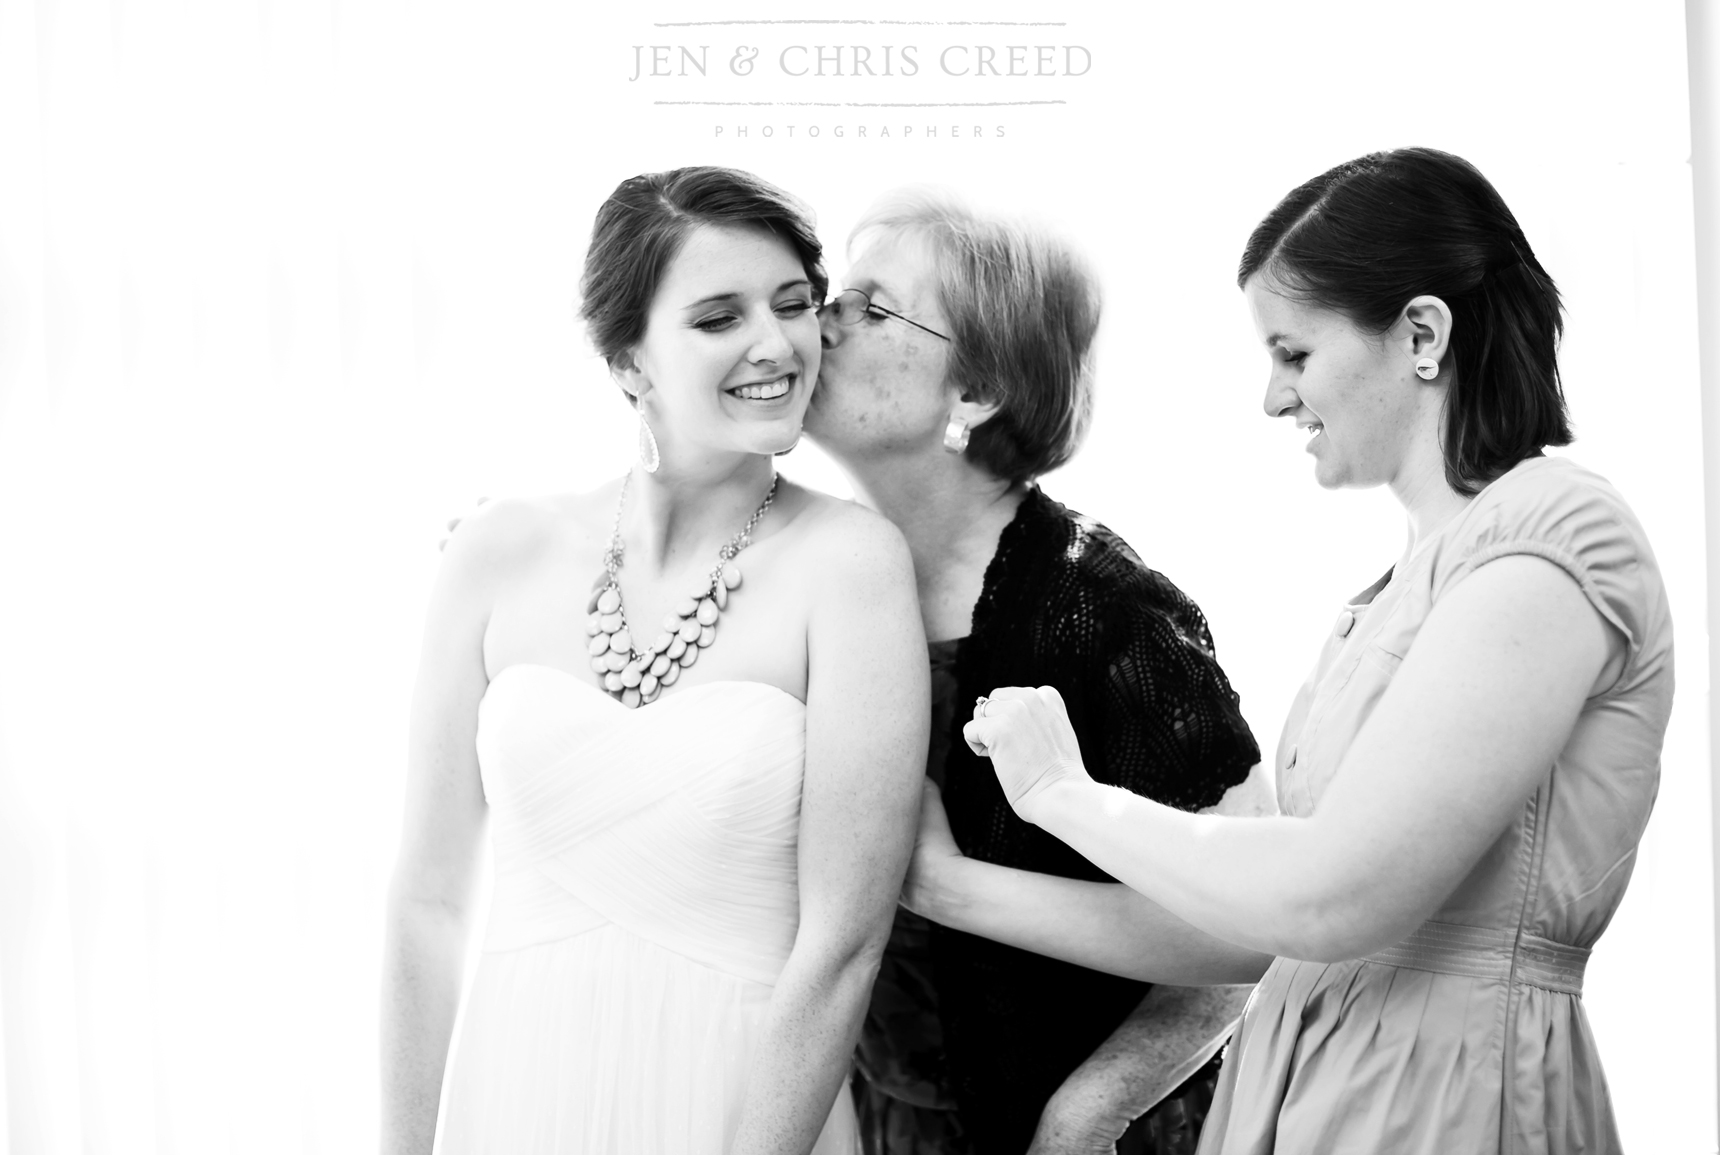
[[648, 455], [956, 435], [1427, 368]]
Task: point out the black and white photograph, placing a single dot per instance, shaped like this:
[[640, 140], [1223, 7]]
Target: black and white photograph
[[922, 579]]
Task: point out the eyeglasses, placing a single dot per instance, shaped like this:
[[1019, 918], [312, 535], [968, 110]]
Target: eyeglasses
[[851, 304]]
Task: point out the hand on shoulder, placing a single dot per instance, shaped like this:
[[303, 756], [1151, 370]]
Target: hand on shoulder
[[498, 545], [502, 533]]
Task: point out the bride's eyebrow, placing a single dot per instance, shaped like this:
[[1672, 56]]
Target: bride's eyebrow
[[732, 294]]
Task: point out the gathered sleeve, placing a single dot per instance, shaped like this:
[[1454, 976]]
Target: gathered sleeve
[[1573, 518]]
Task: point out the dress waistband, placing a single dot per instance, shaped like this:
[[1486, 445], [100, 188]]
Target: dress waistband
[[1485, 953]]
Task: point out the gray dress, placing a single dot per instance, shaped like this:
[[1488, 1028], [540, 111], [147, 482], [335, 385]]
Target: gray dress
[[1470, 1034]]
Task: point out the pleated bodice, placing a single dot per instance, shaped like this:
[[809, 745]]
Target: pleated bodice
[[676, 821], [646, 899]]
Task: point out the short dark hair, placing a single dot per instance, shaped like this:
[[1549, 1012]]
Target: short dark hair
[[1363, 238], [646, 220], [1022, 309]]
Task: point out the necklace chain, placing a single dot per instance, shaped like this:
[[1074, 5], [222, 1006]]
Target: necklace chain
[[636, 676], [613, 556]]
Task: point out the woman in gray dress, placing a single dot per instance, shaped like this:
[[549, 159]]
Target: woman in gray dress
[[1466, 775]]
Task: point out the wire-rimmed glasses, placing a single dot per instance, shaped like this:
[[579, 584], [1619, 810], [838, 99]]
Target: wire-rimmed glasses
[[852, 304]]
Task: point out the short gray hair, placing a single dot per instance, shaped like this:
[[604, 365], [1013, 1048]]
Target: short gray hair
[[1022, 308]]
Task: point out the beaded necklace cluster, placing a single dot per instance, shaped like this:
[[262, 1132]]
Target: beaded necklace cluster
[[636, 677]]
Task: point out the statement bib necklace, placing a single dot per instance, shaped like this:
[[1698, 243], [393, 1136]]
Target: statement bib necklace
[[637, 677]]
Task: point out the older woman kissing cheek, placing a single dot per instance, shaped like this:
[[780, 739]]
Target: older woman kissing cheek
[[955, 372]]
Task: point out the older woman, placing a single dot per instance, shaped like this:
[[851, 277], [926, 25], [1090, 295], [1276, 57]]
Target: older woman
[[955, 372], [1467, 773]]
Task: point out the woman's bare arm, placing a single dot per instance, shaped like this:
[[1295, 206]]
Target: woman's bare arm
[[867, 709], [1103, 926], [1167, 1038], [430, 894], [1468, 729], [1109, 927]]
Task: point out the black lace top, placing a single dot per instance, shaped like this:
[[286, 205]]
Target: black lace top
[[1067, 603]]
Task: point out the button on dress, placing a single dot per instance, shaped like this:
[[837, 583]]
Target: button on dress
[[1470, 1034]]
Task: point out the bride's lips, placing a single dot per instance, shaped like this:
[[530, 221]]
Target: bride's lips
[[765, 390]]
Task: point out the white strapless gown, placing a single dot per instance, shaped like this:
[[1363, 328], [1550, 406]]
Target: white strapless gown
[[645, 903]]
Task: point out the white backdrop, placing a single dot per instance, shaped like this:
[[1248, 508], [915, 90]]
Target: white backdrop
[[285, 285]]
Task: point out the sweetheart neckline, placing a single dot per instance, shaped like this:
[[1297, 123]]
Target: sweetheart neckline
[[579, 681]]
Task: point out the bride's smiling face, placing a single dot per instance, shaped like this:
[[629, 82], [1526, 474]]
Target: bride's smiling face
[[731, 347]]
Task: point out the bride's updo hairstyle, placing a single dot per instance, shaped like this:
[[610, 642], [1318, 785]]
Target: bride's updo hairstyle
[[1365, 237], [642, 226]]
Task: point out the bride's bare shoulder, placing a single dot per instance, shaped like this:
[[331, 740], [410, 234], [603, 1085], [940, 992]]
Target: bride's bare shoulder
[[843, 533]]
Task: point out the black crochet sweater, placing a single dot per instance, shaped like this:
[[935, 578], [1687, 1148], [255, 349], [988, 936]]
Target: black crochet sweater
[[1067, 603]]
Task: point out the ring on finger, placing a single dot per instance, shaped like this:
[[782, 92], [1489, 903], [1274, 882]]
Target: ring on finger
[[979, 706]]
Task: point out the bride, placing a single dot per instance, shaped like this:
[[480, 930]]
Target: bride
[[693, 706]]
